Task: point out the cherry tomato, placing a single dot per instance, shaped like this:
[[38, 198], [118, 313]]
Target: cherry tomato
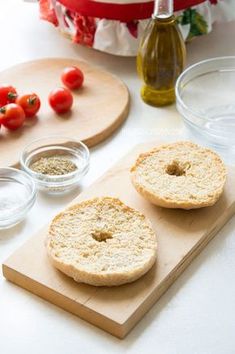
[[30, 104], [61, 100], [72, 77], [12, 116], [8, 94]]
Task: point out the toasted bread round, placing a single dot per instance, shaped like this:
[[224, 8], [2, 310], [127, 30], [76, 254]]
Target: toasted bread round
[[102, 242], [179, 175]]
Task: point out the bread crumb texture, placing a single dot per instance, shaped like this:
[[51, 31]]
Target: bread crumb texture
[[102, 242], [179, 175]]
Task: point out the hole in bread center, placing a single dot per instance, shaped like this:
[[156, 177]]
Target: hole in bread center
[[101, 236], [175, 169]]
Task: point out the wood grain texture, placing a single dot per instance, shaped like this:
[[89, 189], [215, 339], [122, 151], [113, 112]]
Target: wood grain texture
[[181, 235], [100, 106]]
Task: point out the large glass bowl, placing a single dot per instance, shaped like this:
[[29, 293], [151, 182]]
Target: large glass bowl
[[205, 97]]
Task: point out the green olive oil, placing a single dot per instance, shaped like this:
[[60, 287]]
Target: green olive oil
[[161, 56]]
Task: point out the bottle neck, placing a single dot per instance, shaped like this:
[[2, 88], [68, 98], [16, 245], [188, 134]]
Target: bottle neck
[[163, 9]]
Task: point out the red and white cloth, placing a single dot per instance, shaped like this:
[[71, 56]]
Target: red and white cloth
[[115, 26]]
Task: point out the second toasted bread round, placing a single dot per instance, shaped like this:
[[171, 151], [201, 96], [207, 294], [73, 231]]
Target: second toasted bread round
[[179, 175]]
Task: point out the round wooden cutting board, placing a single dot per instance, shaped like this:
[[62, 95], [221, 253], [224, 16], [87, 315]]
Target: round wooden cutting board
[[100, 106]]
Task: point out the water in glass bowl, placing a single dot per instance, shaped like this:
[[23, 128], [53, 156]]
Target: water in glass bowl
[[206, 100]]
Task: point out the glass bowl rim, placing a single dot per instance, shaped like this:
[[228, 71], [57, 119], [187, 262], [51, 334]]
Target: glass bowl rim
[[55, 179], [179, 100]]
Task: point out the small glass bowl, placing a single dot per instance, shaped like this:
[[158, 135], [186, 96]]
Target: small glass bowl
[[72, 149], [17, 196], [205, 97]]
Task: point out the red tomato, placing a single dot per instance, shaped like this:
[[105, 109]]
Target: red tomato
[[12, 116], [30, 104], [72, 77], [61, 100], [8, 94]]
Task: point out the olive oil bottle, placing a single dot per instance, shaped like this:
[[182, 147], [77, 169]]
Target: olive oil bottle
[[161, 56]]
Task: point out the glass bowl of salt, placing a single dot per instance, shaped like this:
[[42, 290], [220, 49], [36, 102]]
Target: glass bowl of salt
[[17, 196]]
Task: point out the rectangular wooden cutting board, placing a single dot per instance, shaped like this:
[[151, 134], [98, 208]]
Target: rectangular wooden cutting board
[[181, 236]]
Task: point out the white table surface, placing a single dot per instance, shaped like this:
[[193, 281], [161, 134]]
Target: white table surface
[[197, 314]]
